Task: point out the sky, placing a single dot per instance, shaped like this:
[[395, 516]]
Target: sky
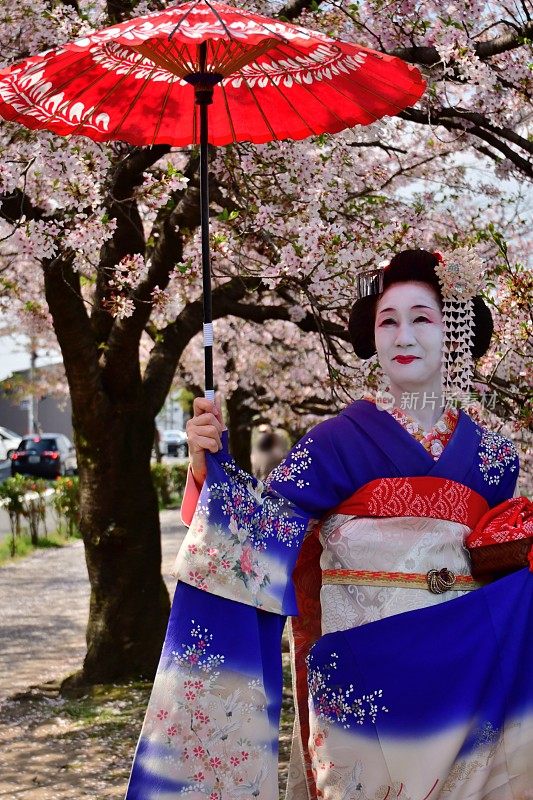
[[15, 355]]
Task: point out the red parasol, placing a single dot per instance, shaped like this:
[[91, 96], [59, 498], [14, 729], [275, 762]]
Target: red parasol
[[151, 79]]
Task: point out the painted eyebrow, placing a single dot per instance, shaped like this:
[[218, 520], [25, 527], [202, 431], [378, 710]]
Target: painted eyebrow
[[388, 310]]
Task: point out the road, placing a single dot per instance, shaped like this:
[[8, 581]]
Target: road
[[44, 604]]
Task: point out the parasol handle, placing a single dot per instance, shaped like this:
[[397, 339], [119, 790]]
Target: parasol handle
[[203, 82], [203, 98], [206, 261]]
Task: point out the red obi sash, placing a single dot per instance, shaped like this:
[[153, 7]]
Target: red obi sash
[[416, 497]]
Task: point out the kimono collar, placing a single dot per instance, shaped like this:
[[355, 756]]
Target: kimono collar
[[407, 454], [434, 440]]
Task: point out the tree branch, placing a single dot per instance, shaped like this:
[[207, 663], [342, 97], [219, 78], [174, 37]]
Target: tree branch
[[17, 205], [128, 237], [168, 244], [72, 3], [381, 145], [505, 133], [428, 56], [253, 313], [292, 10], [451, 121], [128, 172], [505, 42], [119, 10], [175, 337], [168, 250], [167, 351], [402, 170]]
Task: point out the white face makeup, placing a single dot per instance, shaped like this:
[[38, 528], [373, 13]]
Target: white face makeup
[[408, 332]]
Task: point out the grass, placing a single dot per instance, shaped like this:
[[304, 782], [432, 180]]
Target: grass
[[109, 708], [24, 546]]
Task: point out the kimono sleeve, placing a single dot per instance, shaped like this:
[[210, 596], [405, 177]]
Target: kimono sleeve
[[245, 535], [212, 722], [508, 485], [498, 465]]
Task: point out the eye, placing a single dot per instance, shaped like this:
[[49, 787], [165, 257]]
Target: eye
[[422, 319], [387, 321]]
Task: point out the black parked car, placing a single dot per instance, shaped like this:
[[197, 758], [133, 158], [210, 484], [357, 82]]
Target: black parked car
[[46, 456]]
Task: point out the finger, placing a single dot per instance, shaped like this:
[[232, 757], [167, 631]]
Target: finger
[[205, 443], [201, 404], [203, 420], [208, 431], [218, 410]]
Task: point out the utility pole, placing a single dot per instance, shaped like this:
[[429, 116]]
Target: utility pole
[[31, 399]]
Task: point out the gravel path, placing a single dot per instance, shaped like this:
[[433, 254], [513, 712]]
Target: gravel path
[[44, 605]]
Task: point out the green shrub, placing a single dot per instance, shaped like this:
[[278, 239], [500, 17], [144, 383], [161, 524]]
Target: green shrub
[[66, 502], [35, 506], [179, 478], [12, 490], [169, 483], [161, 478]]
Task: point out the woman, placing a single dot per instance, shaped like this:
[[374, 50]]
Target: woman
[[426, 701]]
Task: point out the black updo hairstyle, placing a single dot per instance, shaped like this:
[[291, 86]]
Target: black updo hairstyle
[[412, 265]]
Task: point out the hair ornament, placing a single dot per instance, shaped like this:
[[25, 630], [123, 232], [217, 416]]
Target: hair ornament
[[460, 273], [370, 281]]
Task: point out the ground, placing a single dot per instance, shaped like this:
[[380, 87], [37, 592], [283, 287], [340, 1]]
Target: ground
[[53, 748], [56, 749]]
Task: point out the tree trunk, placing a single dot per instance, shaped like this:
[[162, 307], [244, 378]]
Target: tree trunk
[[120, 526], [240, 417]]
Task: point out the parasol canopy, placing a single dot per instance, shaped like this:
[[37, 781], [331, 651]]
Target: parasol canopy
[[271, 80]]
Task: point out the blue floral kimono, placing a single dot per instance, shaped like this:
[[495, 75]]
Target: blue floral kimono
[[406, 696]]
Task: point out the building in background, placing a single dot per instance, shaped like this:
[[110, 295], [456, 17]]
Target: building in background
[[175, 412], [28, 404], [26, 407]]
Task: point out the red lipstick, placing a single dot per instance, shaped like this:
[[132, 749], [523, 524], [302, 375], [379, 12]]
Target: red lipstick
[[404, 359]]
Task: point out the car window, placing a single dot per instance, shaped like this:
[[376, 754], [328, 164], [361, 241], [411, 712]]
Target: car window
[[37, 444]]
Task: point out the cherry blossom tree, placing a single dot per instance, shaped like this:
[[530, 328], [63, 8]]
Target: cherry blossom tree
[[99, 251]]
